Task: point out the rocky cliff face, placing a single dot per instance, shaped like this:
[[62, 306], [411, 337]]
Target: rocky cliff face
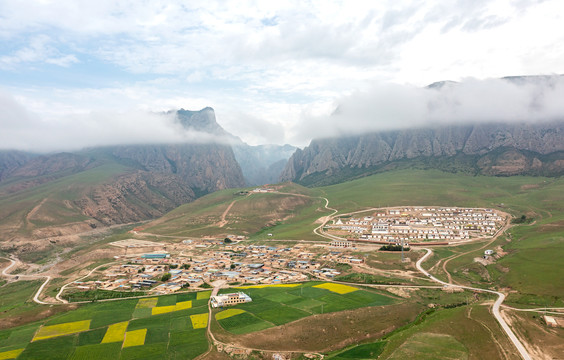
[[113, 185], [204, 168], [259, 164], [493, 149]]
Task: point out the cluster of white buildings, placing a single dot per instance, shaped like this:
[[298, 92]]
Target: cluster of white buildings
[[422, 224]]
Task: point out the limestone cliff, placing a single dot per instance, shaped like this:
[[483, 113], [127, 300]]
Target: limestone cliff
[[491, 149]]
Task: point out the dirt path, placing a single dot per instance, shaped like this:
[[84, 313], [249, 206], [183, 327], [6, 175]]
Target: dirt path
[[496, 236], [34, 210], [495, 309]]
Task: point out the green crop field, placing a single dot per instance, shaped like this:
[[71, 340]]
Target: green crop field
[[273, 306], [110, 330], [365, 351]]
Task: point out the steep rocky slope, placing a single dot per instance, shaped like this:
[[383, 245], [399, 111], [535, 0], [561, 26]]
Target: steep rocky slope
[[492, 149], [57, 194]]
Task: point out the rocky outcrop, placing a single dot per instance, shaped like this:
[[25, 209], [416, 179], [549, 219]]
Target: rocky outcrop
[[132, 197], [492, 149], [203, 167]]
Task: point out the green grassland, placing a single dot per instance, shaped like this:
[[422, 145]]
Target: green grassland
[[169, 336], [531, 266], [467, 332], [274, 306], [16, 299], [285, 215]]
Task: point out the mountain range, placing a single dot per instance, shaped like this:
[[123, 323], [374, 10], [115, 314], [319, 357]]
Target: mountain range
[[50, 195], [500, 149], [44, 196]]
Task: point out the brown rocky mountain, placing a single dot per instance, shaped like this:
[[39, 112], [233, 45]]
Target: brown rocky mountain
[[48, 196], [12, 160], [489, 149]]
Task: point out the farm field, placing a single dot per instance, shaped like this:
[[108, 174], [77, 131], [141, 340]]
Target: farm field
[[277, 305], [115, 330]]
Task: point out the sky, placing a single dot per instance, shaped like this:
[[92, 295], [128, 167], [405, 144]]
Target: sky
[[83, 73]]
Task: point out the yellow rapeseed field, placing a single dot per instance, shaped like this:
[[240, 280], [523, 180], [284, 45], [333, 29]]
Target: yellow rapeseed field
[[337, 288], [12, 354], [228, 313], [163, 309], [170, 308], [203, 295], [147, 303], [135, 338], [264, 286], [183, 305], [115, 332], [199, 321], [47, 332]]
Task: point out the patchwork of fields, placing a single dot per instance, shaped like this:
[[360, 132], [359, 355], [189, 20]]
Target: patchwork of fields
[[129, 329], [277, 305], [173, 326]]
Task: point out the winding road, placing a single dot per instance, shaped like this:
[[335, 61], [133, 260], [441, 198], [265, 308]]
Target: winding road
[[497, 314], [6, 273]]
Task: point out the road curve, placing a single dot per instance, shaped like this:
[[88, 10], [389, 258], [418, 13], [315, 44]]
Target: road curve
[[5, 273], [319, 230], [501, 297]]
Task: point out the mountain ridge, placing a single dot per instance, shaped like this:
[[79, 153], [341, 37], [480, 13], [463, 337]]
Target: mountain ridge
[[524, 145]]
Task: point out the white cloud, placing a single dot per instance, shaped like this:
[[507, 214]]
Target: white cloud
[[393, 107], [39, 49], [24, 130], [270, 61]]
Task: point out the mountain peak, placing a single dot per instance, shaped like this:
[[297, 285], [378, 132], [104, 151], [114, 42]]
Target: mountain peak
[[200, 120]]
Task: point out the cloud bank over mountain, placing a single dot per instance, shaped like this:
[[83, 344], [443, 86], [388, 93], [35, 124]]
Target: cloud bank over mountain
[[27, 131], [382, 107], [394, 107]]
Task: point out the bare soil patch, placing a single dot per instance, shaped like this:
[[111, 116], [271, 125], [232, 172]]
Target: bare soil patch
[[322, 333], [34, 315]]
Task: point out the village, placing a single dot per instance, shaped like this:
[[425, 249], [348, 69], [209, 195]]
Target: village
[[419, 224], [195, 264]]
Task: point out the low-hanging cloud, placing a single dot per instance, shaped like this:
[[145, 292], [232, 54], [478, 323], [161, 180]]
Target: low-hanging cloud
[[26, 131], [394, 107]]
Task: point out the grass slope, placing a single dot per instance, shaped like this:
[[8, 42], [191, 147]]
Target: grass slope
[[532, 265], [290, 213]]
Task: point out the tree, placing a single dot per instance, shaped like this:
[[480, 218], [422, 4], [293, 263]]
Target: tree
[[227, 241], [233, 266], [165, 277]]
